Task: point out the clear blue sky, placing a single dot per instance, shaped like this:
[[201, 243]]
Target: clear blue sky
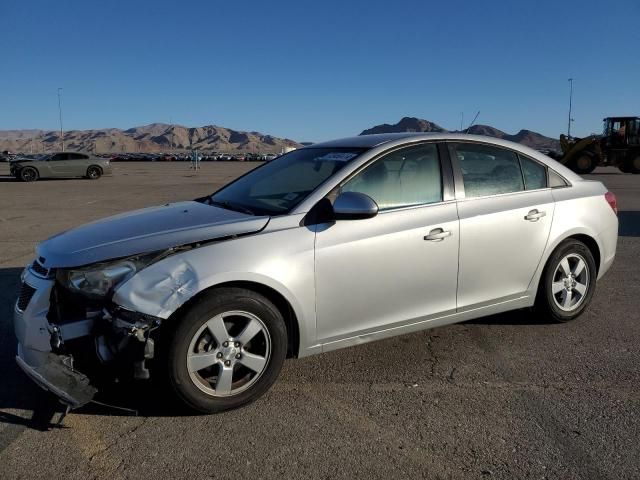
[[318, 70]]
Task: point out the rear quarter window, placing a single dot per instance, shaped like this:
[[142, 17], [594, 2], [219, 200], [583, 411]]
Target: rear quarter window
[[556, 181]]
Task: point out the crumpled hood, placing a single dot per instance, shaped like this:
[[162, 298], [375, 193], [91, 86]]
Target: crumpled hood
[[143, 231]]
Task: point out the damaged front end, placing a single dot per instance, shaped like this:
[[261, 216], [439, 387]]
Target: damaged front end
[[65, 317], [66, 324]]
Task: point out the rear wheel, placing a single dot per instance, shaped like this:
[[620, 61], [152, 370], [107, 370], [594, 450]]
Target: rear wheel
[[632, 165], [568, 281], [226, 351], [28, 174], [584, 164], [93, 173]]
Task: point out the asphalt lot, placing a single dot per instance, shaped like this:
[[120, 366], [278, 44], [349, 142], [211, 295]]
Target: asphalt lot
[[508, 396]]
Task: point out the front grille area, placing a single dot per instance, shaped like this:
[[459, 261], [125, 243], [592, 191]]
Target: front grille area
[[39, 269], [26, 293]]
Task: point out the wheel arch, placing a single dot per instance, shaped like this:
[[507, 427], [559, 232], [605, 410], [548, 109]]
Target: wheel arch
[[585, 237], [592, 245], [278, 299]]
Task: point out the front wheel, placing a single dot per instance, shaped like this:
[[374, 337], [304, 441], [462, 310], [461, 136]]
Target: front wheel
[[28, 174], [226, 350], [568, 281]]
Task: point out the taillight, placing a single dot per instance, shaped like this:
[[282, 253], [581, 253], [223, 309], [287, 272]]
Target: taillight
[[612, 201]]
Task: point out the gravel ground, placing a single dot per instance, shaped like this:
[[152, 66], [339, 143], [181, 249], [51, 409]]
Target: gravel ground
[[507, 396]]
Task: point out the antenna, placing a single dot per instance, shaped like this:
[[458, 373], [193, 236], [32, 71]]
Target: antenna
[[472, 122]]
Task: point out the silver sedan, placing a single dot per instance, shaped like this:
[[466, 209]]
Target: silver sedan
[[328, 246]]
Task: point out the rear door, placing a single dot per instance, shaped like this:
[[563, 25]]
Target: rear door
[[505, 209], [77, 164]]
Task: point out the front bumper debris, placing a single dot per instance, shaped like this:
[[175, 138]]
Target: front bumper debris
[[47, 325], [56, 375]]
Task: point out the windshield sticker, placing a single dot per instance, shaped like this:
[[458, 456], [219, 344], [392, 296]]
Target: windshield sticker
[[338, 156], [290, 196]]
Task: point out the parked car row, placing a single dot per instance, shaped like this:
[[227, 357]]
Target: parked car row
[[156, 157], [185, 157]]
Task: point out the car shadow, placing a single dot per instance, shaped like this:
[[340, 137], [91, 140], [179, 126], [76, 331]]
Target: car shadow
[[629, 224], [524, 316]]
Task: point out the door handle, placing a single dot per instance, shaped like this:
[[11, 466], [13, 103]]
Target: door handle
[[437, 235], [534, 215]]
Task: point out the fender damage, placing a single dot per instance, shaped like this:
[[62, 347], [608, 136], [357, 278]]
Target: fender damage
[[53, 324]]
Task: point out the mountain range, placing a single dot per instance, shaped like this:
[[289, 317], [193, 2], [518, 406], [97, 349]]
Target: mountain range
[[154, 138], [161, 137], [412, 124]]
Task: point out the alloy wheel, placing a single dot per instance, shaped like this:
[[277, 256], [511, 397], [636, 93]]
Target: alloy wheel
[[570, 282], [228, 353], [28, 175]]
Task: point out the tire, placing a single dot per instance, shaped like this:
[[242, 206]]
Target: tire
[[94, 173], [632, 165], [218, 377], [584, 164], [555, 285], [29, 174]]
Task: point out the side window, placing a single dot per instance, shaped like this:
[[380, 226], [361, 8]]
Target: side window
[[407, 177], [76, 156], [59, 157], [535, 174], [488, 170], [555, 180]]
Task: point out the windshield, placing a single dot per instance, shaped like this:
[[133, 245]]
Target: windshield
[[280, 185]]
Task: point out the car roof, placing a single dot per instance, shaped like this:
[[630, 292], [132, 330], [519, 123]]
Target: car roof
[[365, 141], [374, 140], [392, 140]]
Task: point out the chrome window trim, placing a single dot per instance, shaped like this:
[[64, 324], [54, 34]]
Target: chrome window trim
[[520, 192], [414, 207]]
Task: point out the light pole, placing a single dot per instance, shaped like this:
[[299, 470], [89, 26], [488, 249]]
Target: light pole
[[171, 125], [570, 101], [60, 113]]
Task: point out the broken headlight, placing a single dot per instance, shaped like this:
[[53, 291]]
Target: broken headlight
[[100, 279]]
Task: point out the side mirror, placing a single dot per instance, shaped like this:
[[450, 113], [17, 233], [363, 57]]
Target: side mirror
[[354, 206]]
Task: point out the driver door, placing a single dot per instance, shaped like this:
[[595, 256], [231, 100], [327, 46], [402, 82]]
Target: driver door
[[398, 267]]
